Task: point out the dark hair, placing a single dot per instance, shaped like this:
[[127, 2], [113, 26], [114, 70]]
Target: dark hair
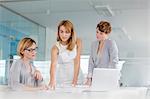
[[104, 26]]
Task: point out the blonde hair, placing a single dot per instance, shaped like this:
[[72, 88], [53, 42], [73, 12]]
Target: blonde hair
[[69, 27], [104, 26], [23, 44]]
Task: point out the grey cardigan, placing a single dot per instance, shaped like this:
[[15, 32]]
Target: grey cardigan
[[108, 58], [19, 76]]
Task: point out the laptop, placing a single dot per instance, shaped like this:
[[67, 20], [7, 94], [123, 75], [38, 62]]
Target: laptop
[[105, 79]]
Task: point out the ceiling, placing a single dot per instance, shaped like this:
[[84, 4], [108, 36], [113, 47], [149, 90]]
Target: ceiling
[[130, 18], [41, 10]]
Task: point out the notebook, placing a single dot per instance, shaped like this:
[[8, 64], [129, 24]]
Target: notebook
[[105, 79]]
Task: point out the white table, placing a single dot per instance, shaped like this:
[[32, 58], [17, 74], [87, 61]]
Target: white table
[[75, 93]]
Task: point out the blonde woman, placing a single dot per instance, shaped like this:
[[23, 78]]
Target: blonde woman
[[66, 55], [23, 74]]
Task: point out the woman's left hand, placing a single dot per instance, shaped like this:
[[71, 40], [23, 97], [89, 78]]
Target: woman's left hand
[[74, 83], [37, 75]]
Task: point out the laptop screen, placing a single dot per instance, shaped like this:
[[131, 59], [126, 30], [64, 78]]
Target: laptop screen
[[105, 79]]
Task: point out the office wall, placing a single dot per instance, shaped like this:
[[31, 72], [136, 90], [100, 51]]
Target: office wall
[[130, 44], [14, 27]]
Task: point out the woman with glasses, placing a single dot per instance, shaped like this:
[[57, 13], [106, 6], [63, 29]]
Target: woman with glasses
[[104, 51], [23, 74], [65, 55]]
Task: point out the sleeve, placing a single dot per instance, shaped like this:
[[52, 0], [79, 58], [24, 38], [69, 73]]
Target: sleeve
[[113, 52], [14, 78], [91, 63]]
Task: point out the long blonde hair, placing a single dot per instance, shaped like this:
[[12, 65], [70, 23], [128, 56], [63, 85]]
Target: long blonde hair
[[69, 26]]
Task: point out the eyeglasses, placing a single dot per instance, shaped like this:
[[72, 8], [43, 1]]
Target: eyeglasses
[[32, 50]]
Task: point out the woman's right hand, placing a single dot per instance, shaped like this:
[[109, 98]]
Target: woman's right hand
[[88, 81], [42, 87], [52, 85]]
